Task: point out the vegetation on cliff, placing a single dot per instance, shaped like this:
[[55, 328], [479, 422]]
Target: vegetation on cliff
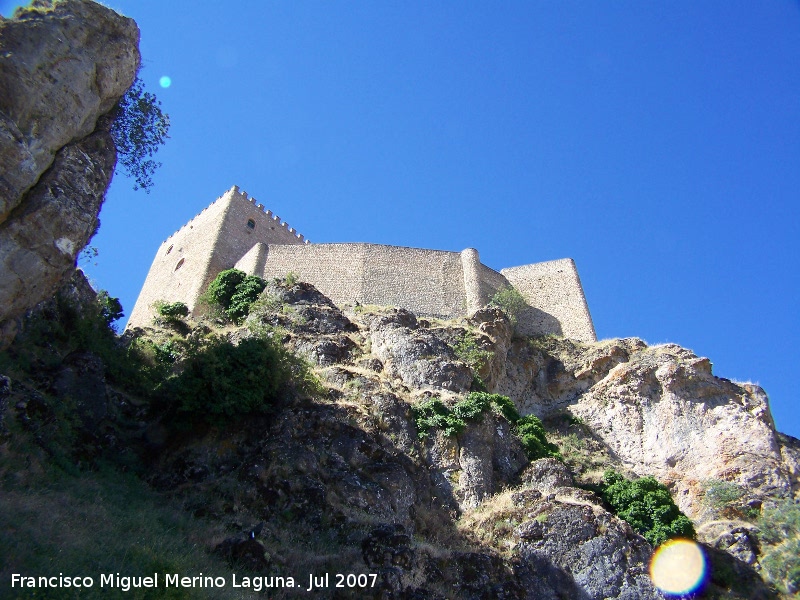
[[233, 292], [510, 301], [317, 424], [140, 127], [433, 413], [648, 506], [779, 527]]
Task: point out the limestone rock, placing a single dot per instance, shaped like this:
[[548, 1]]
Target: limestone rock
[[665, 415], [587, 553], [659, 411], [481, 460], [564, 547], [546, 474], [414, 355], [496, 332], [61, 71], [301, 308]]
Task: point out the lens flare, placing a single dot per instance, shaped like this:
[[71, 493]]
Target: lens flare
[[678, 567], [165, 81]]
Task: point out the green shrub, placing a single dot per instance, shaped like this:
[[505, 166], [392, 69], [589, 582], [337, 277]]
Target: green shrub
[[467, 351], [727, 498], [234, 292], [779, 534], [530, 431], [165, 353], [719, 494], [247, 293], [504, 406], [224, 381], [472, 407], [110, 308], [647, 506], [510, 301], [223, 287], [172, 311], [434, 413], [291, 279]]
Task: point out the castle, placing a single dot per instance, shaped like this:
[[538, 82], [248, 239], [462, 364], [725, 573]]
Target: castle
[[237, 232]]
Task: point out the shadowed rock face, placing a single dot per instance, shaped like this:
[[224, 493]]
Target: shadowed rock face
[[62, 71]]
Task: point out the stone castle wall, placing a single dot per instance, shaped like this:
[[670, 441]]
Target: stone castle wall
[[235, 231], [214, 240], [555, 295], [180, 264], [428, 282]]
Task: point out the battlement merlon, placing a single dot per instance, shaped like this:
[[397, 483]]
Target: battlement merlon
[[234, 194]]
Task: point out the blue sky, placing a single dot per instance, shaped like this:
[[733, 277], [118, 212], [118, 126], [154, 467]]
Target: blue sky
[[657, 144]]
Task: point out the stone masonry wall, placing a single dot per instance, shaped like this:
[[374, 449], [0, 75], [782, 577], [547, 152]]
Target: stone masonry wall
[[214, 240], [491, 282], [554, 292], [427, 282], [236, 231], [180, 265]]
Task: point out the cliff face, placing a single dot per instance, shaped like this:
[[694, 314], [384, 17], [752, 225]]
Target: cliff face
[[659, 410], [62, 70], [356, 462], [346, 479]]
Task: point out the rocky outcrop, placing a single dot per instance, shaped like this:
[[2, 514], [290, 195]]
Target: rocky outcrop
[[62, 70], [414, 355], [666, 415], [350, 479], [660, 411], [568, 545]]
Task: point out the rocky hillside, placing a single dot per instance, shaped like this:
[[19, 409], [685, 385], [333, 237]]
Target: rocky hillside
[[424, 458], [62, 71], [342, 470]]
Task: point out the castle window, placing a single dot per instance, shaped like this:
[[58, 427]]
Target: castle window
[[179, 265], [251, 224], [169, 249]]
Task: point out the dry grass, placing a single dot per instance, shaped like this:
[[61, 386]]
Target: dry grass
[[584, 453], [493, 522]]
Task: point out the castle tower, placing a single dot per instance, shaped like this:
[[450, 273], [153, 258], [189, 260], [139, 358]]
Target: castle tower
[[215, 240]]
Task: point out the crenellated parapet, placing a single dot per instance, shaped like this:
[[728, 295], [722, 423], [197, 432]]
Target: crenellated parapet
[[232, 193], [276, 220]]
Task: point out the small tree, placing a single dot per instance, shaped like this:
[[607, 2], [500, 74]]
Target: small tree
[[110, 308], [510, 301], [234, 292], [139, 128]]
